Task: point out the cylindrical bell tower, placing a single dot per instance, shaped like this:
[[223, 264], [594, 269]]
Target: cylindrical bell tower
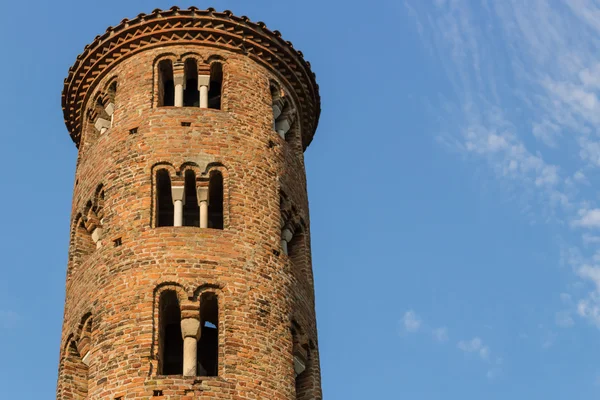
[[189, 273]]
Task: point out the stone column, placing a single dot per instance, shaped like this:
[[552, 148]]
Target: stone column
[[277, 106], [286, 236], [97, 236], [178, 194], [93, 225], [190, 329], [203, 87], [282, 126], [179, 81], [202, 190]]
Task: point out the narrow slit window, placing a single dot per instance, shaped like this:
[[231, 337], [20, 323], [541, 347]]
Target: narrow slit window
[[208, 346], [164, 199], [215, 204], [166, 85], [191, 210], [216, 86], [191, 94], [170, 337]]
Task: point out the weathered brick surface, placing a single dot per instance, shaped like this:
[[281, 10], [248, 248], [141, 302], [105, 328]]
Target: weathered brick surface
[[261, 291]]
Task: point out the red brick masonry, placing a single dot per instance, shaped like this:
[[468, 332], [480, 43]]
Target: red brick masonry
[[110, 341]]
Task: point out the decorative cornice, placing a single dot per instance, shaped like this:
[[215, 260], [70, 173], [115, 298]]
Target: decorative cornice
[[192, 26]]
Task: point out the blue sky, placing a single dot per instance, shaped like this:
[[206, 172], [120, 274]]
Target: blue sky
[[455, 221]]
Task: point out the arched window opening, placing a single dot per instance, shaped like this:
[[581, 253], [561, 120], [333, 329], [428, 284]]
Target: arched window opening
[[102, 113], [95, 217], [85, 342], [191, 94], [164, 199], [166, 85], [110, 107], [301, 364], [112, 90], [170, 337], [297, 253], [84, 244], [285, 122], [216, 84], [74, 375], [277, 102], [191, 209], [208, 346], [215, 204]]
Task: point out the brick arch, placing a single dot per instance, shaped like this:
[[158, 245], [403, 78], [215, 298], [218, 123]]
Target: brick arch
[[216, 58], [109, 82], [84, 336], [182, 292], [98, 198], [211, 344], [182, 298], [190, 166], [73, 373], [81, 244], [191, 54], [154, 99], [217, 167], [207, 287], [173, 172], [173, 176], [164, 56]]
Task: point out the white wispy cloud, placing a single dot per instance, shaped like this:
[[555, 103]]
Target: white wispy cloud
[[411, 321], [526, 79], [475, 345], [588, 218]]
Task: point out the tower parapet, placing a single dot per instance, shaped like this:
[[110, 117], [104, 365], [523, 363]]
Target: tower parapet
[[207, 28], [189, 272]]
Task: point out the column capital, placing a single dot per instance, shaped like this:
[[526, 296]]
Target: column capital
[[190, 327], [110, 108], [97, 236], [278, 105], [178, 192], [179, 73], [286, 234], [102, 124], [203, 80], [202, 191], [299, 364]]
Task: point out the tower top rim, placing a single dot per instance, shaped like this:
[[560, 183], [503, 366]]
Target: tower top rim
[[208, 27]]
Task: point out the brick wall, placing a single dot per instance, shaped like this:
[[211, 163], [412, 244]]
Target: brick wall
[[261, 291]]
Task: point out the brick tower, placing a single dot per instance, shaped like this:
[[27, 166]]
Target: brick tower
[[189, 273]]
